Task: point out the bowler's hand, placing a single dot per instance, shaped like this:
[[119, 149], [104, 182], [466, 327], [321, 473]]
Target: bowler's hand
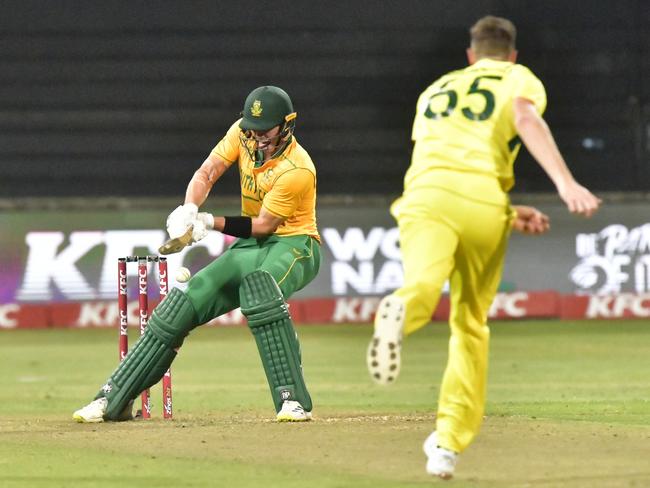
[[578, 199], [180, 219], [530, 221]]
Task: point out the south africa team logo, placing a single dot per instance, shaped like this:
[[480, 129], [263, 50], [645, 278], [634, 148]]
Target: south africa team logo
[[256, 109]]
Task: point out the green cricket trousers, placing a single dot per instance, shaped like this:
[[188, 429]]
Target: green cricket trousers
[[293, 261]]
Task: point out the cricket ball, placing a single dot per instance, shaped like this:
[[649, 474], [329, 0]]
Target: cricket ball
[[183, 274]]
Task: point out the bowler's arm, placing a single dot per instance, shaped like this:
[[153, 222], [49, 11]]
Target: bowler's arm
[[539, 141]]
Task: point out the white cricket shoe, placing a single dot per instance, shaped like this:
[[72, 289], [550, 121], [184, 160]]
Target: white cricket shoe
[[92, 413], [292, 411], [384, 351], [441, 462]]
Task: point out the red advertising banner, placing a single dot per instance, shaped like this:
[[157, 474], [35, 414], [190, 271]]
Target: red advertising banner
[[359, 310]]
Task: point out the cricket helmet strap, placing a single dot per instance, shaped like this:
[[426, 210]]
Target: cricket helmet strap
[[265, 107]]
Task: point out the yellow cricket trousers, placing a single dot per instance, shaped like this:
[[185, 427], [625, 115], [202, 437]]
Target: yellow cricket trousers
[[444, 235]]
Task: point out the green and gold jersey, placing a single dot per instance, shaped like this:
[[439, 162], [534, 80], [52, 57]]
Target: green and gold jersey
[[285, 186], [464, 123]]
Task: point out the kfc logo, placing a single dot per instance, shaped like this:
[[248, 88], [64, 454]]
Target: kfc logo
[[512, 305], [122, 284], [618, 306], [54, 269], [142, 279]]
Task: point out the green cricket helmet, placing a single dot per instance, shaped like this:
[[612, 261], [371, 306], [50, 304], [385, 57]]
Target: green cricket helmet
[[265, 107]]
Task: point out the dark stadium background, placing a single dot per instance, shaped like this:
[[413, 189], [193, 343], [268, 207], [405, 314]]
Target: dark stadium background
[[127, 98]]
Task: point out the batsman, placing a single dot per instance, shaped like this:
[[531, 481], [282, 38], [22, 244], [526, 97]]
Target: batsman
[[276, 253]]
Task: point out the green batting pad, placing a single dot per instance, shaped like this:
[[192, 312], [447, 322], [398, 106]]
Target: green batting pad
[[142, 368], [268, 318], [173, 318], [152, 354]]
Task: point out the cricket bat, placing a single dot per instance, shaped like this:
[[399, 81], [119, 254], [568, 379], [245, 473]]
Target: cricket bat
[[177, 244]]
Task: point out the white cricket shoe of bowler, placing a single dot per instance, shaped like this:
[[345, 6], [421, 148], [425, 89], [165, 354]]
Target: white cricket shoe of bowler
[[441, 462], [383, 357], [292, 411], [91, 413]]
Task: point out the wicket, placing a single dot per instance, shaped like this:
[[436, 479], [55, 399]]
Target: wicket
[[143, 305]]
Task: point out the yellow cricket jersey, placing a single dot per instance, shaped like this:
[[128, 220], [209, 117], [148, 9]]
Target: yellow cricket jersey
[[285, 186], [464, 123]]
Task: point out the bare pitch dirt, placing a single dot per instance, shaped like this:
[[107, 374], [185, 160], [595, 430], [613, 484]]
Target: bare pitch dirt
[[332, 451]]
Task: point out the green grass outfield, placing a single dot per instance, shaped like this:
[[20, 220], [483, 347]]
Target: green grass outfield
[[568, 406]]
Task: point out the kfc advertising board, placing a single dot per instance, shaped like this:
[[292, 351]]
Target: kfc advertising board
[[64, 257]]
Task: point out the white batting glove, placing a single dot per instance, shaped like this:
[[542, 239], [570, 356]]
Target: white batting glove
[[207, 219], [180, 219], [203, 223]]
